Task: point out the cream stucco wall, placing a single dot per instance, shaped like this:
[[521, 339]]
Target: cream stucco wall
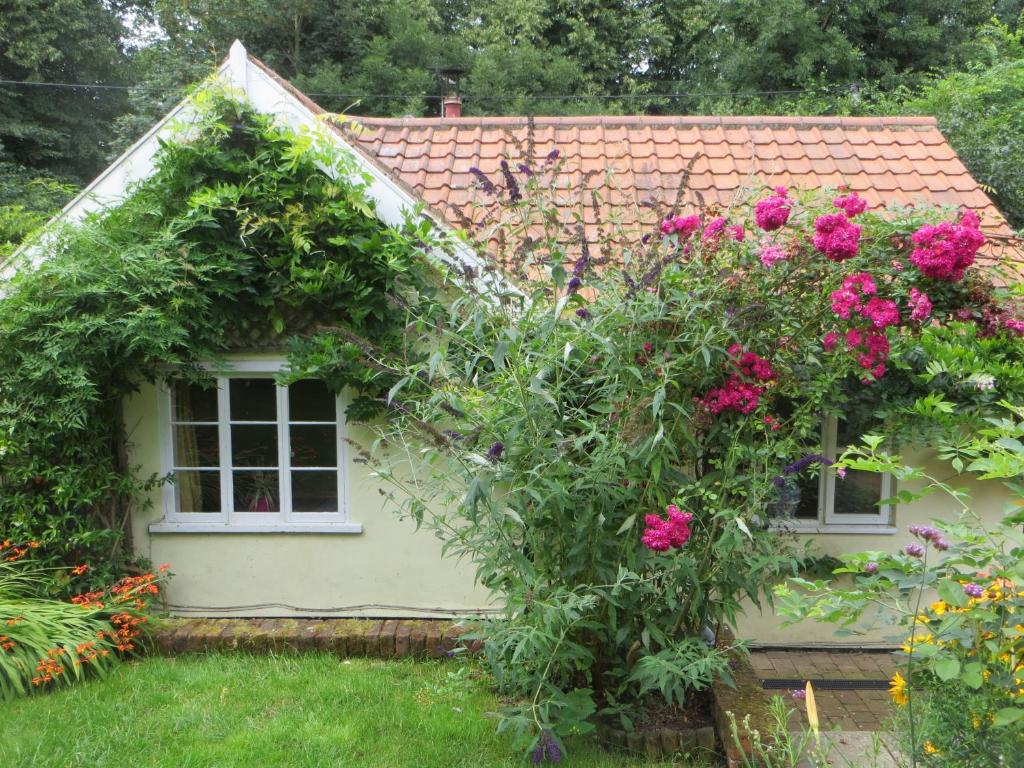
[[988, 500], [390, 569]]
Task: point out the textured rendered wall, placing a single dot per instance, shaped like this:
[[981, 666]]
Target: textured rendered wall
[[388, 564], [391, 564]]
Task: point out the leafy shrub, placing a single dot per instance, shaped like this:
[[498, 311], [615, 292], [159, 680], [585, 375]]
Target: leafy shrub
[[609, 448], [47, 643], [965, 650]]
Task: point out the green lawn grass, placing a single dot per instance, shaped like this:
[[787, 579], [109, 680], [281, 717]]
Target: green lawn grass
[[264, 711]]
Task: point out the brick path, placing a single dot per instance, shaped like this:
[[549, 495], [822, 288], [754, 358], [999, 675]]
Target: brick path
[[842, 710]]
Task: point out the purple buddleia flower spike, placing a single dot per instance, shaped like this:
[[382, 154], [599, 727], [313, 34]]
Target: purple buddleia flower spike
[[485, 183], [495, 451], [552, 156], [514, 195]]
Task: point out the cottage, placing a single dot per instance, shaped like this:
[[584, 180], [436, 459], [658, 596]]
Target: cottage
[[262, 531]]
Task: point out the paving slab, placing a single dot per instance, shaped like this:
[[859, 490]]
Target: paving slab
[[857, 749]]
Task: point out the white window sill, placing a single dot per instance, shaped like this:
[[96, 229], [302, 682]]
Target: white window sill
[[170, 526], [820, 528]]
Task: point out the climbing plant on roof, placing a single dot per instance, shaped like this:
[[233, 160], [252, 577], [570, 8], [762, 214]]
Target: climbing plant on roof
[[246, 235]]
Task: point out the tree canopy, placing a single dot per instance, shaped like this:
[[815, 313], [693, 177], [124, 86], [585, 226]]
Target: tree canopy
[[384, 57]]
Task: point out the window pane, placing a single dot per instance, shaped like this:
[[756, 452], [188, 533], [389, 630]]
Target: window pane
[[314, 446], [310, 400], [256, 491], [196, 446], [253, 445], [197, 491], [858, 493], [191, 402], [807, 507], [315, 491], [253, 400]]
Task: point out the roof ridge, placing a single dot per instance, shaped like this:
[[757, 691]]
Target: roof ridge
[[882, 121]]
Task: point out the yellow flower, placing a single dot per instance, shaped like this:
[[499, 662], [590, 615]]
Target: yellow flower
[[975, 722], [939, 608], [930, 749], [898, 690]]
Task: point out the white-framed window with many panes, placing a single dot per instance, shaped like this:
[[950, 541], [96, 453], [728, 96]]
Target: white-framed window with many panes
[[823, 502], [249, 455]]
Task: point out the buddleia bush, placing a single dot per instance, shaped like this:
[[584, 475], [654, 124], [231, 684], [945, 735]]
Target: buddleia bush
[[611, 448]]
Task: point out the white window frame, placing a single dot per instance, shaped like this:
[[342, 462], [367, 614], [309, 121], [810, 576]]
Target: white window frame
[[828, 521], [228, 520]]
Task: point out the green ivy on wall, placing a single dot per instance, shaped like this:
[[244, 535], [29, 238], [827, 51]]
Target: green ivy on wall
[[239, 240]]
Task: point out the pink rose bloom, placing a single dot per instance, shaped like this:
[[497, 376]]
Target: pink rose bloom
[[656, 535], [772, 212], [946, 250], [830, 341], [920, 305], [714, 230], [881, 312], [771, 255], [836, 237], [851, 204], [684, 226]]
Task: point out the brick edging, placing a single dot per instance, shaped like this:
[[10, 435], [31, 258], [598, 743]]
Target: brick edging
[[379, 638], [745, 697]]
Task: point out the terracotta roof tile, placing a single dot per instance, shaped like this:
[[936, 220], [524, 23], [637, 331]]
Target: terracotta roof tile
[[886, 159]]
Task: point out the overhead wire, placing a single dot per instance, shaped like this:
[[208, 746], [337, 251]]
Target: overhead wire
[[537, 96]]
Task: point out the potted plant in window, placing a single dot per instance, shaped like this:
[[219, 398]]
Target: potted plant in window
[[262, 493]]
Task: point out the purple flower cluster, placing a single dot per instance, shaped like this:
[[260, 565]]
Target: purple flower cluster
[[485, 183], [514, 194], [799, 466], [871, 567], [914, 549], [547, 748], [495, 451], [974, 590], [931, 535], [578, 268]]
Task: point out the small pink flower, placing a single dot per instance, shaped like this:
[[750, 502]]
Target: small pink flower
[[771, 255], [920, 305], [841, 472], [737, 233], [851, 204], [830, 341]]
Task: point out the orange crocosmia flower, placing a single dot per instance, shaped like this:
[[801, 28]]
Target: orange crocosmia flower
[[78, 570], [164, 568]]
